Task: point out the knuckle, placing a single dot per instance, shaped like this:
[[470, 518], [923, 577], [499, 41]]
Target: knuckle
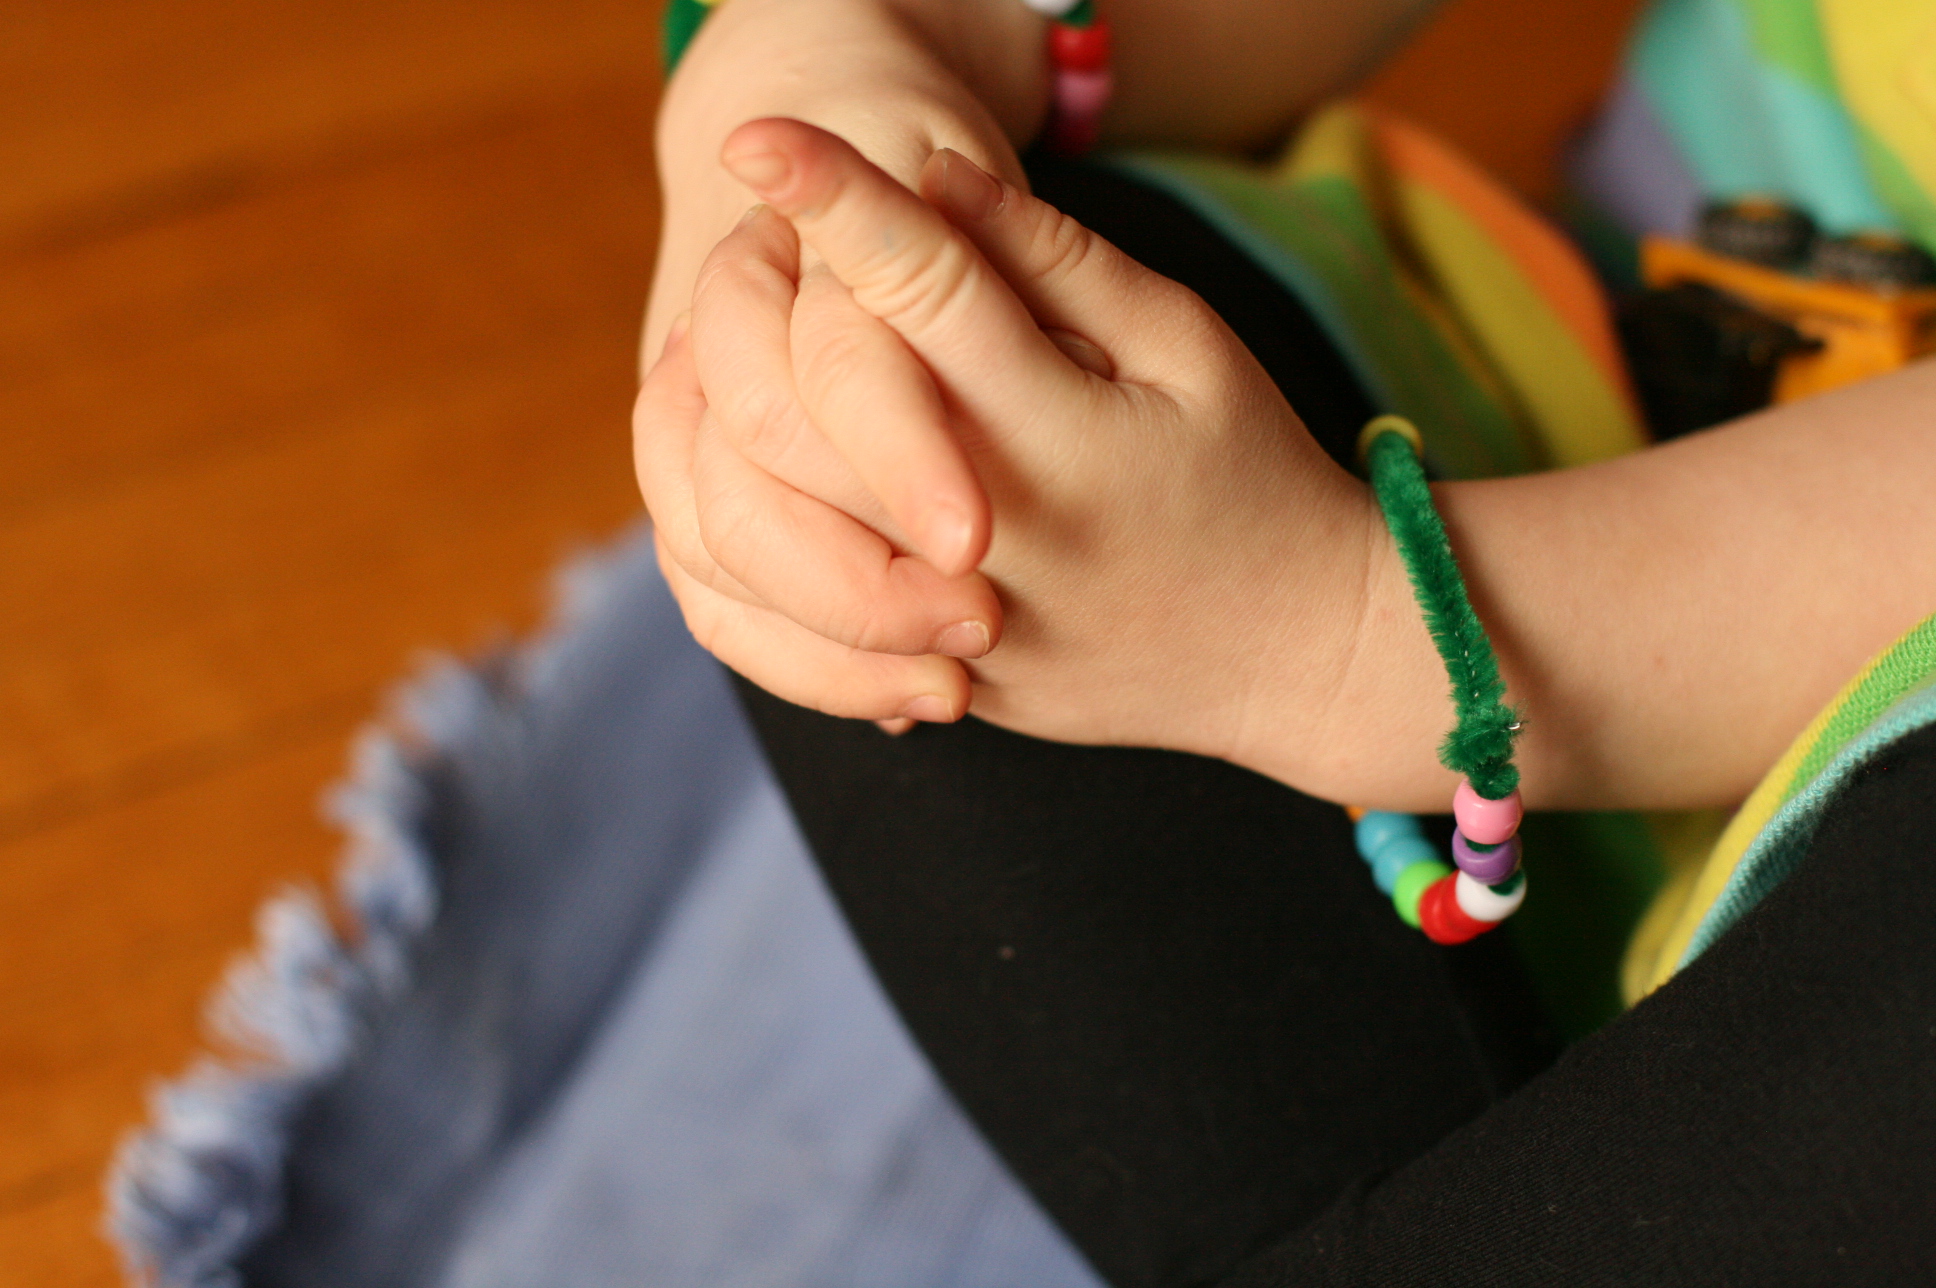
[[763, 422], [730, 530], [1060, 247], [915, 284], [1195, 320], [871, 628], [836, 361], [731, 271]]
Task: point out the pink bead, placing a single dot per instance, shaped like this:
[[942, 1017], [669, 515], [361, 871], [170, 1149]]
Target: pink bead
[[1082, 94], [1484, 821]]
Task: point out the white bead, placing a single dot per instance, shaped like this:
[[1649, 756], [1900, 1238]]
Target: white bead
[[1052, 8], [1483, 903]]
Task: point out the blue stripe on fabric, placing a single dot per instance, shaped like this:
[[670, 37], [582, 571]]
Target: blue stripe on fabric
[[1779, 847]]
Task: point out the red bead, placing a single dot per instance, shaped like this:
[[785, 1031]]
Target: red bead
[[1079, 49], [1441, 917]]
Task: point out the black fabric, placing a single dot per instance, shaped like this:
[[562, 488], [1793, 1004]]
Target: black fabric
[[1168, 993], [1768, 1117], [1164, 987]]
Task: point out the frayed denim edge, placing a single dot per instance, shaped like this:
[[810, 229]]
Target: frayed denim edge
[[192, 1192]]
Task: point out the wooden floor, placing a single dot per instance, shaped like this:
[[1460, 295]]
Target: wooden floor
[[316, 331]]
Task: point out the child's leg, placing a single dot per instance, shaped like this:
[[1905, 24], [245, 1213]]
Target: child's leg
[[1164, 987]]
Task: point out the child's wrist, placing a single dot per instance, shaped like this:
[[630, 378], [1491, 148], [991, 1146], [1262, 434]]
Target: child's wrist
[[1360, 704], [859, 66]]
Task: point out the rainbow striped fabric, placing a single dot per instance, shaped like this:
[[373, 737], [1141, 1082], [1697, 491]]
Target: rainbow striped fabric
[[1466, 312], [1830, 104]]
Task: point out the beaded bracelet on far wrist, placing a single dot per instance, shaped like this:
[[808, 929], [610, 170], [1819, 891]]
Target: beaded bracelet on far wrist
[[1079, 59], [1450, 906]]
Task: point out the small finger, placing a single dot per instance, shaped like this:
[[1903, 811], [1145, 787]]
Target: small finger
[[876, 403], [793, 663], [832, 575], [665, 426], [742, 310]]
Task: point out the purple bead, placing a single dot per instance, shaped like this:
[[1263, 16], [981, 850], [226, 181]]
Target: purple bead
[[1488, 867]]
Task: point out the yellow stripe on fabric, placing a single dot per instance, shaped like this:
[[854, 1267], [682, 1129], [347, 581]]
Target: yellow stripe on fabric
[[1875, 687], [1884, 54], [1701, 893], [1685, 841], [1332, 144], [1527, 258], [1335, 160], [1577, 415]]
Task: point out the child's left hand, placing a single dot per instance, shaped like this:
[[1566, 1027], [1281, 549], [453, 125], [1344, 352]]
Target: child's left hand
[[1179, 564]]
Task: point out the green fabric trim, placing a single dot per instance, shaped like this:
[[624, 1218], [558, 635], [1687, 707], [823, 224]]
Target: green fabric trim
[[1907, 666], [1480, 744]]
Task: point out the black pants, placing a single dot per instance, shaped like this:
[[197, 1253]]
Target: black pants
[[1168, 993]]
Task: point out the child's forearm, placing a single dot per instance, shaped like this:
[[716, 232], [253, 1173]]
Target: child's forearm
[[1668, 622]]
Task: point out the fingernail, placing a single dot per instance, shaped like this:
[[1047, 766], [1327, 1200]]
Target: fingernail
[[752, 213], [945, 538], [929, 707], [759, 170], [895, 727], [963, 639], [969, 192]]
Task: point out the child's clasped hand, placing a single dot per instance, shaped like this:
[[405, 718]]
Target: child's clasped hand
[[917, 454]]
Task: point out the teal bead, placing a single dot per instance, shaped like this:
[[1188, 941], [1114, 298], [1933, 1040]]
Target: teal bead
[[1411, 886], [1378, 827], [1397, 854]]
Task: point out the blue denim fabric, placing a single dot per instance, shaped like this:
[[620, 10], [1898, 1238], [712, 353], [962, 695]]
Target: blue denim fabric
[[603, 1024]]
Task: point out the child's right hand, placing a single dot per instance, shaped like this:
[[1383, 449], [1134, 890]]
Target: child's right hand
[[1179, 564]]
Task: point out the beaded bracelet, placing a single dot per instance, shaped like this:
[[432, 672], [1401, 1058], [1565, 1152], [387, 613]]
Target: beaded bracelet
[[1078, 42], [1079, 55], [1488, 886]]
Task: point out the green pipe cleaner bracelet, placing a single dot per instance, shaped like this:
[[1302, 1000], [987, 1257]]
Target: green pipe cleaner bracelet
[[1480, 744], [1450, 904]]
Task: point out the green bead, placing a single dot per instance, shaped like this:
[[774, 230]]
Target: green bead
[[1083, 15], [1411, 884], [683, 19]]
